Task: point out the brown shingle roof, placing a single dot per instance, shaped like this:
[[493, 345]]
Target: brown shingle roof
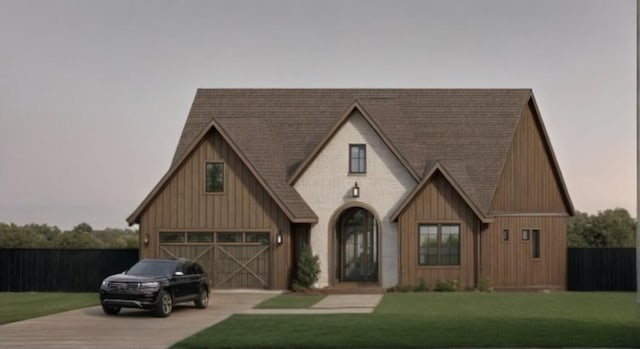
[[466, 131]]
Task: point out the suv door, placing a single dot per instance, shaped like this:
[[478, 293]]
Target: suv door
[[194, 276], [180, 282]]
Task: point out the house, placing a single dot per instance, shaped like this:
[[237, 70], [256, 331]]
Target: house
[[388, 186]]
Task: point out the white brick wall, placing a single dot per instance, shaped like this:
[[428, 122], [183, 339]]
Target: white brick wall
[[326, 186]]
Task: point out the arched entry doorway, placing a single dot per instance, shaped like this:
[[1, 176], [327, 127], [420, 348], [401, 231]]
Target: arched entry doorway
[[356, 243]]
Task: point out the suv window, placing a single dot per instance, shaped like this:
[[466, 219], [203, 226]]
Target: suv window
[[153, 268]]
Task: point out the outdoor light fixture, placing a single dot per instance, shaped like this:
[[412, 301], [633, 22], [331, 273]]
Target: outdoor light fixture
[[355, 191], [279, 238], [146, 239]]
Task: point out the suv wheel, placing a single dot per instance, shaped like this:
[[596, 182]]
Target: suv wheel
[[164, 306], [110, 309], [203, 298]]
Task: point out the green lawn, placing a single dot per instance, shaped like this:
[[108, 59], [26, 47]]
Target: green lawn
[[462, 319], [291, 300], [16, 306]]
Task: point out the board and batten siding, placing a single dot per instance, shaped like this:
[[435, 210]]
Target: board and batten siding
[[528, 196], [182, 205], [528, 182], [510, 264], [437, 202]]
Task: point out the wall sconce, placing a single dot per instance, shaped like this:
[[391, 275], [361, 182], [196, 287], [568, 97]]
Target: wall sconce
[[146, 239], [355, 191], [279, 238]]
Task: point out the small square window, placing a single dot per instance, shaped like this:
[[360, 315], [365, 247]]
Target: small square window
[[357, 158], [505, 234], [525, 235], [214, 177]]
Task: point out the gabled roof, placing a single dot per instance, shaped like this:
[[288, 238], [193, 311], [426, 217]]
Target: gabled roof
[[434, 167], [466, 133], [353, 108]]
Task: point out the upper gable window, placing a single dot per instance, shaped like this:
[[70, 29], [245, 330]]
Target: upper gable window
[[357, 158], [214, 177]]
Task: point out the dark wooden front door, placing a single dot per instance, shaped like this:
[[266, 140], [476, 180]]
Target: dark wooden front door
[[357, 238]]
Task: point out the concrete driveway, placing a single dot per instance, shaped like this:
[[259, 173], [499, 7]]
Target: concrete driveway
[[91, 328]]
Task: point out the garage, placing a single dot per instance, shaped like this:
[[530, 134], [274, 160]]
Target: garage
[[231, 259]]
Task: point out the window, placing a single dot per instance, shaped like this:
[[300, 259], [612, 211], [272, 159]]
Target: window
[[439, 244], [199, 237], [525, 235], [214, 177], [505, 234], [357, 158], [535, 246], [229, 237], [262, 238], [172, 237]]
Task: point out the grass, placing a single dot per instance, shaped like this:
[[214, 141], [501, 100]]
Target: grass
[[16, 306], [461, 319], [291, 300]]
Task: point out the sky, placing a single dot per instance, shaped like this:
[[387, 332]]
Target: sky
[[94, 94]]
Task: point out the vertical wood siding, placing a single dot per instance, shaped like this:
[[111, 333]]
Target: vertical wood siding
[[182, 205], [438, 202], [511, 265], [528, 182]]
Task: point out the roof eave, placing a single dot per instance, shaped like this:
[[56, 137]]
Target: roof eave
[[563, 185]]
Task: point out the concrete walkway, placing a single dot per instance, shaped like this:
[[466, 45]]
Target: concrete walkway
[[332, 304]]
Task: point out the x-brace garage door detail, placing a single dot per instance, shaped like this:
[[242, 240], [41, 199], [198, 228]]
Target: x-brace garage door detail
[[231, 259]]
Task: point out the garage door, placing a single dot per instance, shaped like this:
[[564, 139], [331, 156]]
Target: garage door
[[231, 259]]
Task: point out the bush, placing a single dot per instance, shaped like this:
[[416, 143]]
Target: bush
[[484, 284], [446, 285], [421, 287], [308, 270]]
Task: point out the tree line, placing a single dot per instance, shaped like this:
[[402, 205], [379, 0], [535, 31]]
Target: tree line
[[81, 236], [609, 228]]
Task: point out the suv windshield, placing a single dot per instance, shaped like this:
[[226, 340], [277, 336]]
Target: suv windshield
[[153, 268]]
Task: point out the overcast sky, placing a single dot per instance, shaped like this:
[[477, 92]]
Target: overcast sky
[[94, 94]]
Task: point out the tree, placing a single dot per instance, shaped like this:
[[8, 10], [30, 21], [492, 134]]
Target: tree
[[609, 228]]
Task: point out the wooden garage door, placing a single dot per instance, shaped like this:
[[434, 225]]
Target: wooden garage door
[[231, 259]]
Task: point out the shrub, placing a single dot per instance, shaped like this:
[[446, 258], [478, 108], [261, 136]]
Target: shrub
[[308, 270], [484, 284], [421, 287], [446, 285]]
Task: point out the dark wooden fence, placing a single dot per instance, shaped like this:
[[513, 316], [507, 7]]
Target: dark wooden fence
[[53, 270], [601, 269]]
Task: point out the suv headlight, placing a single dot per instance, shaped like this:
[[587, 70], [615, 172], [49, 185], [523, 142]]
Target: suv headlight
[[150, 286], [105, 284]]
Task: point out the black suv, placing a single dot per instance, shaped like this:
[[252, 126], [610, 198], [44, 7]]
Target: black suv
[[155, 284]]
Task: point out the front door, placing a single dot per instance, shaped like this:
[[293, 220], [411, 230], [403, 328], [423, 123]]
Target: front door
[[357, 239]]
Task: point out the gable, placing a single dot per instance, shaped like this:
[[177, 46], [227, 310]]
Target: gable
[[437, 200], [366, 125], [181, 202], [330, 164], [530, 180]]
